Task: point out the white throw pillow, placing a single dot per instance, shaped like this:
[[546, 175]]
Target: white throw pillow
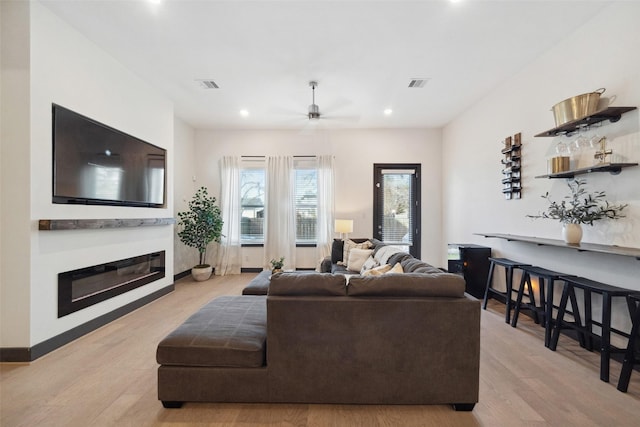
[[357, 258], [350, 244], [369, 264], [384, 253]]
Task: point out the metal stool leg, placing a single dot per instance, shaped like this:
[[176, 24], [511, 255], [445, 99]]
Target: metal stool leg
[[489, 283], [516, 309], [629, 355]]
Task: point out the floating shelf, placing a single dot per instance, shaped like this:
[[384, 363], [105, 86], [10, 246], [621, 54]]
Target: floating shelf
[[582, 247], [613, 168], [81, 224], [612, 114]]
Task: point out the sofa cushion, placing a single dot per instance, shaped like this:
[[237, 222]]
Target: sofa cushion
[[307, 284], [399, 257], [339, 269], [410, 264], [229, 331], [259, 285], [408, 285]]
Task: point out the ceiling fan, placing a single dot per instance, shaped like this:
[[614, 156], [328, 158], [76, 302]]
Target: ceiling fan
[[314, 110]]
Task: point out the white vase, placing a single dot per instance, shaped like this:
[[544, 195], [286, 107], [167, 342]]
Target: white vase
[[200, 274], [572, 233]]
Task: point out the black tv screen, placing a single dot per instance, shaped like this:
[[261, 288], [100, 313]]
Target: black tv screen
[[97, 164]]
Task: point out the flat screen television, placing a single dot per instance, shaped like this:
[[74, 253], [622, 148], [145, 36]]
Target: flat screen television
[[97, 164]]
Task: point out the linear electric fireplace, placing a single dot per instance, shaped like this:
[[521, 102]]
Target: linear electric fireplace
[[81, 288]]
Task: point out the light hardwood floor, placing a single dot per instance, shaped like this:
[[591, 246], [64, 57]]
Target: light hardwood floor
[[108, 378]]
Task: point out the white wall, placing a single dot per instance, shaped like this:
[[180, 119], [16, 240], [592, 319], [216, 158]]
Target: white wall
[[602, 53], [69, 70], [14, 175], [355, 152], [184, 183]]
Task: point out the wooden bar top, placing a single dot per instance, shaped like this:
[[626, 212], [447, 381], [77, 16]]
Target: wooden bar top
[[582, 247]]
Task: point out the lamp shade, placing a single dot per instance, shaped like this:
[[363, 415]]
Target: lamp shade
[[344, 226]]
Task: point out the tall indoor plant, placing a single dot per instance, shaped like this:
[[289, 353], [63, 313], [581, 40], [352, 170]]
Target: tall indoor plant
[[201, 225], [581, 207]]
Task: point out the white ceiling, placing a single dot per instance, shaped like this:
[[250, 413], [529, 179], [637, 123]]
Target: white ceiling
[[262, 54]]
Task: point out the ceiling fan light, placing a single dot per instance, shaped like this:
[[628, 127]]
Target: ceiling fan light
[[314, 112]]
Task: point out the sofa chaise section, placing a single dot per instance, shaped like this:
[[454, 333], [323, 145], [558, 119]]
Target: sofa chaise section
[[216, 355]]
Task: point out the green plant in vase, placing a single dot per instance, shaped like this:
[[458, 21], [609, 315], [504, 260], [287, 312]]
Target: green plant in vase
[[580, 207], [276, 265], [201, 225]]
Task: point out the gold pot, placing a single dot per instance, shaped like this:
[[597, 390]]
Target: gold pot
[[559, 164], [577, 107]]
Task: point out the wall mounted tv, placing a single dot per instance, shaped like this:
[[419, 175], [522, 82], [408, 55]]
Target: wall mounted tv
[[97, 164]]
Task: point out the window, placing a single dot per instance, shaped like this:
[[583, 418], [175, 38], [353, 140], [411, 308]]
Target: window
[[306, 200], [252, 203]]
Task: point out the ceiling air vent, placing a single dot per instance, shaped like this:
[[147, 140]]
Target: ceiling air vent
[[417, 83], [208, 84]]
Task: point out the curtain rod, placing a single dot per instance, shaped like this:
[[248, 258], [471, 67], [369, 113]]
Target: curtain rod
[[262, 157]]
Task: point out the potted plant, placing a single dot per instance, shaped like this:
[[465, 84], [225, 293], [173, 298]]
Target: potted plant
[[579, 208], [276, 265], [201, 225]]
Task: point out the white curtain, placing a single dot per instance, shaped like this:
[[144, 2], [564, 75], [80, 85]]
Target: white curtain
[[230, 253], [326, 205], [280, 216]]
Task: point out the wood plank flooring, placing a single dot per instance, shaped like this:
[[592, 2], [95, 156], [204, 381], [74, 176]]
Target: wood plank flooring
[[108, 378]]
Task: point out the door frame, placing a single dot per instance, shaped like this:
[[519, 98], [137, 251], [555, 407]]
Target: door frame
[[416, 196]]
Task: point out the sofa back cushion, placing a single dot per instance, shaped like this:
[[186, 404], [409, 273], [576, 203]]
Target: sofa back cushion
[[408, 285], [297, 284]]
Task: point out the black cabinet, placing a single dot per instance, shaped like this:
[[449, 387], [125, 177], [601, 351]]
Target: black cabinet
[[471, 262]]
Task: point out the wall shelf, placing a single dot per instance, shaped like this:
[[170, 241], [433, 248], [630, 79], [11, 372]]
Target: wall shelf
[[613, 168], [82, 224], [582, 247], [612, 114]]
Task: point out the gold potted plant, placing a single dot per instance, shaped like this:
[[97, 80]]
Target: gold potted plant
[[580, 207], [276, 265], [201, 225]]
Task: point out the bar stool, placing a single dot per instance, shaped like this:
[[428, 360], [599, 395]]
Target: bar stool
[[630, 359], [588, 286], [545, 310], [508, 266]]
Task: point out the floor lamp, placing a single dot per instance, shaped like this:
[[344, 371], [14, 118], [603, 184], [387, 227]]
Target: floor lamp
[[344, 227]]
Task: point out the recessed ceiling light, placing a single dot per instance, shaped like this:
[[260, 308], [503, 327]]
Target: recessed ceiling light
[[388, 111], [244, 113]]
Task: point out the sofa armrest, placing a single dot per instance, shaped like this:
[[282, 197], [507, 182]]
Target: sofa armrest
[[325, 266]]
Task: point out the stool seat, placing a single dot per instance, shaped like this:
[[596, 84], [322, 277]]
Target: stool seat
[[607, 292], [508, 265], [543, 272], [505, 262]]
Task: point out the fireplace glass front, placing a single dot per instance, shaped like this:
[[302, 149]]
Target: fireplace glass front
[[81, 288]]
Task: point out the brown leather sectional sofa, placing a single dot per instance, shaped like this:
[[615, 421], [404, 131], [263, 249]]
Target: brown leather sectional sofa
[[394, 339]]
